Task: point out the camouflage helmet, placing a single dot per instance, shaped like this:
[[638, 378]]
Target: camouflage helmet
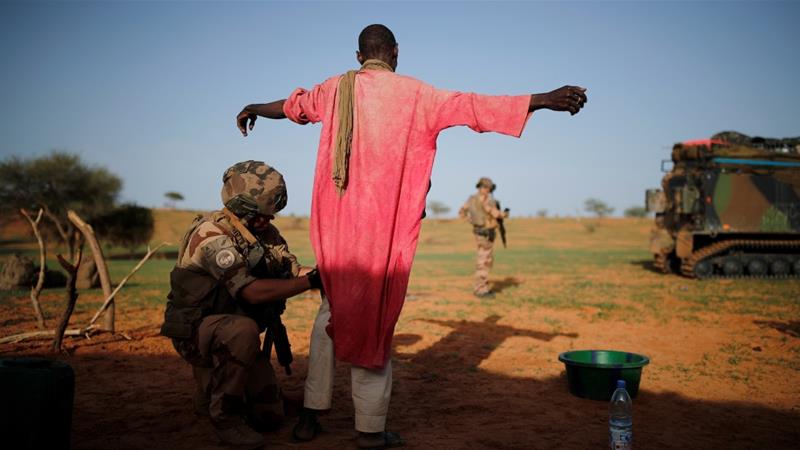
[[487, 183], [252, 187]]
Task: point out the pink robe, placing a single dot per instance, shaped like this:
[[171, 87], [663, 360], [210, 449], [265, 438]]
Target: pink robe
[[365, 240]]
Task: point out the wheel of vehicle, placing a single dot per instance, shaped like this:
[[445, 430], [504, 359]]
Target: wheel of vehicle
[[732, 267], [796, 267], [779, 267], [703, 269], [756, 267]]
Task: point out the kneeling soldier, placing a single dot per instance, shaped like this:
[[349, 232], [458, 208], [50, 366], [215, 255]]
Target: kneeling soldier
[[231, 282]]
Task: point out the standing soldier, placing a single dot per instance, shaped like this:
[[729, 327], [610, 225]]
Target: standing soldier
[[482, 211], [233, 274]]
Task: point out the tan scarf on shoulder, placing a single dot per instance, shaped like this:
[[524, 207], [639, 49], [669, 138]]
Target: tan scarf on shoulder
[[344, 135]]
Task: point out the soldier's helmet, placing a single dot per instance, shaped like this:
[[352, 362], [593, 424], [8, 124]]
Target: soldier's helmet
[[487, 183], [252, 187]]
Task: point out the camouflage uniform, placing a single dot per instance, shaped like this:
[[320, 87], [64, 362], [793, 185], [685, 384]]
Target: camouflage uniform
[[210, 328], [482, 212]]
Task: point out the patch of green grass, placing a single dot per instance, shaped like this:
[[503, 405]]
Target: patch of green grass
[[689, 318], [557, 266], [555, 324], [793, 364], [736, 353]]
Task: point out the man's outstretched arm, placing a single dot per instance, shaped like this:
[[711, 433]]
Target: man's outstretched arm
[[567, 98], [246, 119]]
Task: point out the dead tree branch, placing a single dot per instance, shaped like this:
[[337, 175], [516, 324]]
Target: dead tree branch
[[72, 297], [90, 328], [36, 290], [45, 334], [138, 266], [63, 231], [100, 262]]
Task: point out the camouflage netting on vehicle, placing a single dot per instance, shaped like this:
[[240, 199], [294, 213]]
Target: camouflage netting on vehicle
[[731, 144], [736, 138]]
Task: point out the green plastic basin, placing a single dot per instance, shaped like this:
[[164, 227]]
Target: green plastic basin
[[593, 374]]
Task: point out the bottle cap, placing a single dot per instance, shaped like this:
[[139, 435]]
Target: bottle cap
[[620, 384]]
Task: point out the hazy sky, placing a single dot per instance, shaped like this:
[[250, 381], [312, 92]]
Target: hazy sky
[[151, 89]]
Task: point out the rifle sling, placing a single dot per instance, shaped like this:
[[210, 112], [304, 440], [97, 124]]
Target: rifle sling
[[246, 234]]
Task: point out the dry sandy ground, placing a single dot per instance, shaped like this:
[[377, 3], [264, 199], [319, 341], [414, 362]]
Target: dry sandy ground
[[481, 374], [482, 381]]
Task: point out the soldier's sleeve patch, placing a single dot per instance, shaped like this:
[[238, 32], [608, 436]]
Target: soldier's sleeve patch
[[225, 258]]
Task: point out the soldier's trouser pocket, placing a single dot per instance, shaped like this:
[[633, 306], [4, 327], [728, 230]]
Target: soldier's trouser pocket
[[180, 322]]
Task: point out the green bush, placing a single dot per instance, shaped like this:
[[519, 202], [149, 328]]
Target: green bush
[[128, 226], [635, 211]]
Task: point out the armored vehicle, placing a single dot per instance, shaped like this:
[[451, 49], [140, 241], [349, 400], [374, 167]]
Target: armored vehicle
[[729, 206]]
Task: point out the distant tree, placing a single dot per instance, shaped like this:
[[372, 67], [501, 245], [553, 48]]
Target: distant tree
[[541, 213], [438, 208], [172, 198], [597, 207], [635, 211], [127, 226], [57, 183]]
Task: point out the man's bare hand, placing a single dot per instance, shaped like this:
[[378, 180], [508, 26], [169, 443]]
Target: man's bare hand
[[242, 121], [566, 98]]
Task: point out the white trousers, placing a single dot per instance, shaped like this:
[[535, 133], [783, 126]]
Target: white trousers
[[371, 389]]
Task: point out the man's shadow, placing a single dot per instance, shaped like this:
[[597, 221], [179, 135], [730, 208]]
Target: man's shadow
[[128, 397], [791, 328], [449, 401], [473, 342]]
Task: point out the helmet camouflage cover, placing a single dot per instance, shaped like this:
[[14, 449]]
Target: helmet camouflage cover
[[253, 187], [486, 182]]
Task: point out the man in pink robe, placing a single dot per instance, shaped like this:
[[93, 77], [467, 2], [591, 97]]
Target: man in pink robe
[[364, 230]]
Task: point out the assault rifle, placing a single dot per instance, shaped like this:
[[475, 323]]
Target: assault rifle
[[276, 335], [501, 226], [268, 318]]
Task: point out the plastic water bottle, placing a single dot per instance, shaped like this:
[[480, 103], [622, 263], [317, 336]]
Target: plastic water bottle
[[620, 419]]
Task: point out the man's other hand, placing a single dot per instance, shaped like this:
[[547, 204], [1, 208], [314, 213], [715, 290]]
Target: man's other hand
[[242, 121], [566, 98]]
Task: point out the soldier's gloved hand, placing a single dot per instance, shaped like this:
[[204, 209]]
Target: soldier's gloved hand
[[315, 279]]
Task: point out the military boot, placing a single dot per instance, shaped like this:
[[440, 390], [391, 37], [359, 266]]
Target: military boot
[[238, 434], [201, 402]]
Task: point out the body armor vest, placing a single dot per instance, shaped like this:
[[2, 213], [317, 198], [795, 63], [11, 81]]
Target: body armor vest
[[193, 295], [475, 211]]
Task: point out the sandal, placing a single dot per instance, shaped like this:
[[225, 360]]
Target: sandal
[[377, 441]]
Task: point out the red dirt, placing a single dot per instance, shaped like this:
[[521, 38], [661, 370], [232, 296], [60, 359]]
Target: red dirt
[[484, 381]]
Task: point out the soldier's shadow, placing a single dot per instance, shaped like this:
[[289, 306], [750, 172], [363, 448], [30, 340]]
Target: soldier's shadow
[[505, 283]]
